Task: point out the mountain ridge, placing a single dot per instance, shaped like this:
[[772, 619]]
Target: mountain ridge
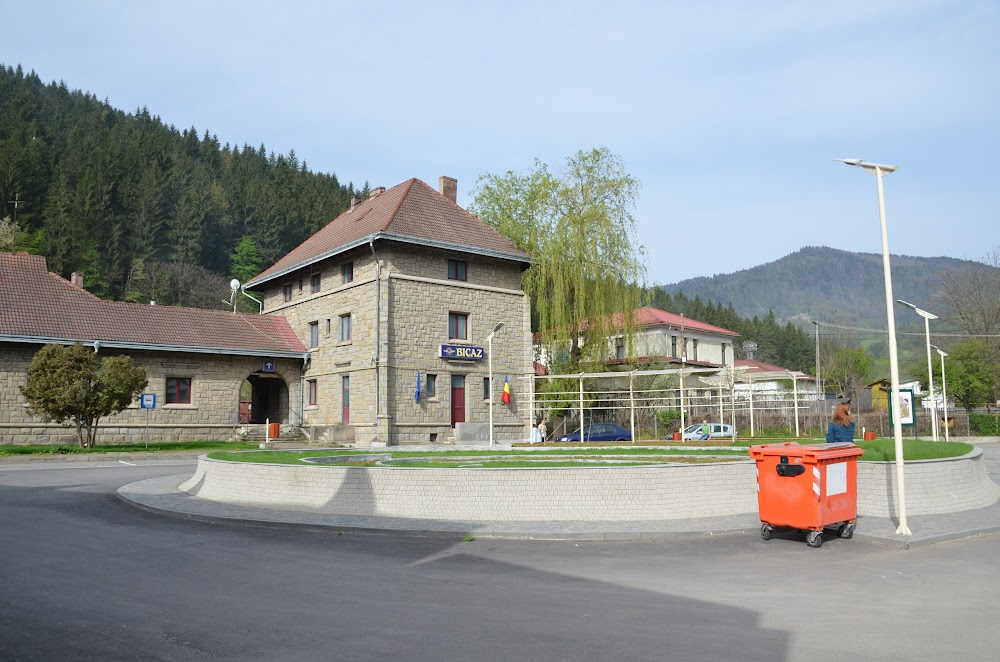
[[818, 282]]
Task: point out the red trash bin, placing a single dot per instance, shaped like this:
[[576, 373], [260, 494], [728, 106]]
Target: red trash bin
[[807, 487], [274, 430]]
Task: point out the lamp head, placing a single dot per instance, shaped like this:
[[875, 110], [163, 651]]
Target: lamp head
[[870, 167], [918, 311]]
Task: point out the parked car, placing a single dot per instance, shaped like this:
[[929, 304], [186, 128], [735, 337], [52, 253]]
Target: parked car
[[600, 432], [693, 432]]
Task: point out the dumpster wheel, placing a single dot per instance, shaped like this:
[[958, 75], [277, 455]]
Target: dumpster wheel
[[846, 530], [814, 539], [765, 531]]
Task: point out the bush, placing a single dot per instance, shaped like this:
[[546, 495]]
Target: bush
[[984, 425], [669, 418]]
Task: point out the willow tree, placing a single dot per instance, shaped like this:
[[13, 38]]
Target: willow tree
[[578, 226]]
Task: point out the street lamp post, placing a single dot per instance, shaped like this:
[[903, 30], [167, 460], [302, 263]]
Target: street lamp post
[[930, 375], [819, 382], [944, 391], [878, 170], [489, 349]]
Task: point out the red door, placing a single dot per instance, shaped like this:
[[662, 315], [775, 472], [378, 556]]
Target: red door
[[457, 399], [345, 391]]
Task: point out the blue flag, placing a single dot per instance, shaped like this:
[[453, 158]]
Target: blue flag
[[416, 396]]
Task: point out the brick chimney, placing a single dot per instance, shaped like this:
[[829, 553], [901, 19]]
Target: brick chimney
[[77, 279], [376, 191], [448, 187], [355, 201]]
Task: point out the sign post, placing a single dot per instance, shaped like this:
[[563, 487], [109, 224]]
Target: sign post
[[147, 401]]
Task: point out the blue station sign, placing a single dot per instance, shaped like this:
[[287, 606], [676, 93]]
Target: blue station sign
[[462, 352]]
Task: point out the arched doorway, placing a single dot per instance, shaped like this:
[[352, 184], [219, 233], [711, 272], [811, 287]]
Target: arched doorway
[[264, 397]]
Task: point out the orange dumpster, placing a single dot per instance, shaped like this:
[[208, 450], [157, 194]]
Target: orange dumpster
[[807, 487], [274, 430]]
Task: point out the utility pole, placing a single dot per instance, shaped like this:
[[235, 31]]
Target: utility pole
[[16, 202]]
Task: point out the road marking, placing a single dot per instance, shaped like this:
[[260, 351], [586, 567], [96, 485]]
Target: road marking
[[131, 464]]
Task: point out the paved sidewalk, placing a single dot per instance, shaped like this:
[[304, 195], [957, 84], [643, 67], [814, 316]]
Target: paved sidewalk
[[161, 495]]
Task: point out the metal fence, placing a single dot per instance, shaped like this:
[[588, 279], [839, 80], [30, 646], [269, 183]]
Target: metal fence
[[633, 400]]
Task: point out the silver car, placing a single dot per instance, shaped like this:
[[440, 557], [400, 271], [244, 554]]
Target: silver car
[[693, 432]]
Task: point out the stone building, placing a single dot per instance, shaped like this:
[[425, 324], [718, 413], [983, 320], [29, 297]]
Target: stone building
[[375, 330], [196, 360], [395, 301]]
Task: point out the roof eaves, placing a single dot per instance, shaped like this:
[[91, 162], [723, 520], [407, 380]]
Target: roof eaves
[[451, 246], [45, 340], [255, 282]]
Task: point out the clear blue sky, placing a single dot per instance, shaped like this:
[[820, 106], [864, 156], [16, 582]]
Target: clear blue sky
[[728, 112]]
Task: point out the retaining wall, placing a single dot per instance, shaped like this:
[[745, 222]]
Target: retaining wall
[[584, 494]]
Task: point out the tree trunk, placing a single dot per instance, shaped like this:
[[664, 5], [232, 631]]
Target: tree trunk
[[80, 439]]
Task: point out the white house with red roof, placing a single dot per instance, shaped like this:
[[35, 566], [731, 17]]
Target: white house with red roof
[[669, 338]]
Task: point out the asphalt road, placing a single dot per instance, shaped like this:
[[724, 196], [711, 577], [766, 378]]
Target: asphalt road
[[85, 576]]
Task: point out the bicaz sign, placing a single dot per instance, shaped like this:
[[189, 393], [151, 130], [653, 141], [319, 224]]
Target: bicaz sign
[[462, 352]]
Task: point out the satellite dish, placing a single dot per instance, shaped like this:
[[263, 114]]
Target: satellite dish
[[234, 284]]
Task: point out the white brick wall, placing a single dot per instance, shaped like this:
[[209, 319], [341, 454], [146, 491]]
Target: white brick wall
[[584, 494]]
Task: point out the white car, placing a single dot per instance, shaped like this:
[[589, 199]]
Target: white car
[[693, 432]]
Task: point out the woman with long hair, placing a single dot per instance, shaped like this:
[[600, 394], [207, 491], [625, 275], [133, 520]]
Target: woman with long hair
[[841, 428]]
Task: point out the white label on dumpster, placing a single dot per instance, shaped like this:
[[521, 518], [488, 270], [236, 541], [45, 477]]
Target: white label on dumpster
[[836, 478]]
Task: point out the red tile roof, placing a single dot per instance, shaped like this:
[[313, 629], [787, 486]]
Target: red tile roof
[[38, 306], [411, 211], [649, 316]]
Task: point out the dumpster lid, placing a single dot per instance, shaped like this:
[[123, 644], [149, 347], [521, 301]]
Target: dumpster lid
[[810, 453]]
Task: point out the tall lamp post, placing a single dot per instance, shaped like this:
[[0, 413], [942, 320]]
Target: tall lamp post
[[879, 170], [489, 348], [944, 391], [819, 382], [930, 375]]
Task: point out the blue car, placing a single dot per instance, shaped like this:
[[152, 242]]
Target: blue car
[[600, 432]]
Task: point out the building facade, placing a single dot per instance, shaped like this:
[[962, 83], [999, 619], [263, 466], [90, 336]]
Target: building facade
[[395, 301]]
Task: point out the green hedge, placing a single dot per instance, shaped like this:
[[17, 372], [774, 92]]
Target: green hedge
[[985, 425], [669, 418]]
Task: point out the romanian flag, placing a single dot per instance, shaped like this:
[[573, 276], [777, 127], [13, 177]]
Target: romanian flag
[[505, 398]]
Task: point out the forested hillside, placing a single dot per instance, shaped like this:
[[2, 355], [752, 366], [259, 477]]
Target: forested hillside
[[143, 209], [761, 338], [820, 283]]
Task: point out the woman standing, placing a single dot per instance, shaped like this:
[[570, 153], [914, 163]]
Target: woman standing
[[841, 428]]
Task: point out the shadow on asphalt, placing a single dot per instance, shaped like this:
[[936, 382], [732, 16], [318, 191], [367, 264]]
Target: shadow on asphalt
[[87, 576]]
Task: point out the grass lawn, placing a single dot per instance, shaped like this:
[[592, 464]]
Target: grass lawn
[[579, 456], [576, 453], [167, 447], [884, 450]]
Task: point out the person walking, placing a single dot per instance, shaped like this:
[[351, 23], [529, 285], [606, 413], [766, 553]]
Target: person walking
[[543, 429], [706, 430], [841, 428]]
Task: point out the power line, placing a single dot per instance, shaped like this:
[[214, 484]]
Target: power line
[[844, 327]]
